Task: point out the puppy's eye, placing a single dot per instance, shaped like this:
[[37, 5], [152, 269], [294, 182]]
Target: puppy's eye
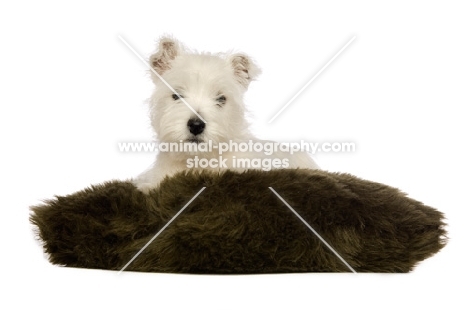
[[221, 99], [176, 97]]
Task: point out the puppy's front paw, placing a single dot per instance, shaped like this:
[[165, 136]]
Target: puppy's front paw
[[145, 187]]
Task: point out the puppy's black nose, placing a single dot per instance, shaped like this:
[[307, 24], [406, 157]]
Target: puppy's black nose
[[196, 126]]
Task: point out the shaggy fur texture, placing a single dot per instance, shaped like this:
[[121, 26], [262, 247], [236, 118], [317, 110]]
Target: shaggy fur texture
[[238, 226]]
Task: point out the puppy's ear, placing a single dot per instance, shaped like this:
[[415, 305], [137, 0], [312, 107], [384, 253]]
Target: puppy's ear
[[168, 50], [244, 68]]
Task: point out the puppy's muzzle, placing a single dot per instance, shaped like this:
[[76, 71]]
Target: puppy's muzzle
[[196, 126]]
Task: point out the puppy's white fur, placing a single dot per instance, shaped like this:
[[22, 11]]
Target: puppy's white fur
[[204, 80]]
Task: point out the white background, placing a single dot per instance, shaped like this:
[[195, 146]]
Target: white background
[[70, 91]]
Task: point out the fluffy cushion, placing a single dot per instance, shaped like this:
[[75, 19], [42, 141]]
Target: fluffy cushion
[[237, 225]]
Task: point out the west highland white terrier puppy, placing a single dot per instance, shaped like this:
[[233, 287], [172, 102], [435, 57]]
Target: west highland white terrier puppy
[[198, 110]]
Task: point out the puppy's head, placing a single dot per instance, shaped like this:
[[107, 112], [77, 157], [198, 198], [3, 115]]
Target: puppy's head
[[199, 96]]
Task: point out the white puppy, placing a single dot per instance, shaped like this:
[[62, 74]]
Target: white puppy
[[213, 86]]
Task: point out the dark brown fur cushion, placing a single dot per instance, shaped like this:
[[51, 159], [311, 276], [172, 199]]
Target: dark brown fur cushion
[[238, 226]]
